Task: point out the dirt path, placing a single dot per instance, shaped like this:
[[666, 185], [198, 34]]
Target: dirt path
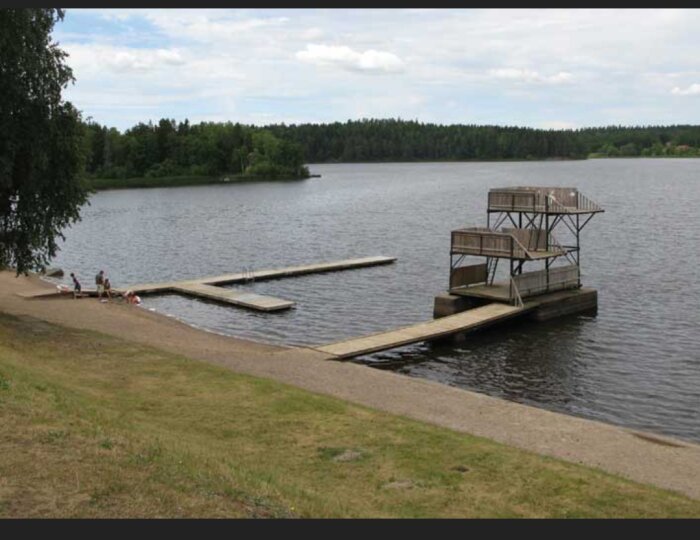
[[644, 457]]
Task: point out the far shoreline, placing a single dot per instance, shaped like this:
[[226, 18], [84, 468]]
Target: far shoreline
[[106, 184], [142, 182]]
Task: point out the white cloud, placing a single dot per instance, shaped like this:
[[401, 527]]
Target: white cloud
[[590, 67], [96, 58], [140, 60], [210, 26], [692, 90], [344, 57], [529, 76], [312, 34]]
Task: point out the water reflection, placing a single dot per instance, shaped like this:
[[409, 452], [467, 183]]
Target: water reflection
[[523, 361]]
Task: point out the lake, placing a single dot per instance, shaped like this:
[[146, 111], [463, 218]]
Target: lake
[[636, 363]]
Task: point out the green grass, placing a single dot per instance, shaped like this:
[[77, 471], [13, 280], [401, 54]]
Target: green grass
[[92, 426], [172, 181]]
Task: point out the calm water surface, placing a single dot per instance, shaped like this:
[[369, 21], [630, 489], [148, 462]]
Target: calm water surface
[[637, 363]]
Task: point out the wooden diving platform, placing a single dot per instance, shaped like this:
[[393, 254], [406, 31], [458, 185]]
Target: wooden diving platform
[[514, 244], [541, 200], [233, 296], [467, 320]]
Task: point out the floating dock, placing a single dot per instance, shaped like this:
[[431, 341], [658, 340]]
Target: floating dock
[[235, 297], [461, 322], [260, 275], [207, 287], [55, 293], [292, 271]]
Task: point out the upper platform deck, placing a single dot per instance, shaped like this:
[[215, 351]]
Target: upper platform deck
[[541, 200], [517, 244]]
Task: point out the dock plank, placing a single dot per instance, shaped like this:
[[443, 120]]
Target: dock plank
[[233, 296], [259, 275], [467, 320]]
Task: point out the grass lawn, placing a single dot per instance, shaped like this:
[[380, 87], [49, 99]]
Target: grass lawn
[[93, 426]]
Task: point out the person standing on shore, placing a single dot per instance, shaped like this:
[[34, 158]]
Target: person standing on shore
[[100, 282], [76, 286], [108, 288]]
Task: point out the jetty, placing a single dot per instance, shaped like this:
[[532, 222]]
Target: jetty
[[461, 322], [210, 288], [540, 308], [260, 275]]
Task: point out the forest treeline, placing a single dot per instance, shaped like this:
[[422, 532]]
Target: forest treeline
[[169, 148], [398, 140]]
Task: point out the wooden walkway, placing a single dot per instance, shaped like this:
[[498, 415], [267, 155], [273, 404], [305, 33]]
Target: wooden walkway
[[206, 287], [292, 271], [467, 320], [233, 296], [55, 293], [259, 275]]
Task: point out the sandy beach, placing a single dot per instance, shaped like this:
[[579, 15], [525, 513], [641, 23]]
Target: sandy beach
[[643, 457]]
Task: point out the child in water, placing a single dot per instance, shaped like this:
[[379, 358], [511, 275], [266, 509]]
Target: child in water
[[131, 298]]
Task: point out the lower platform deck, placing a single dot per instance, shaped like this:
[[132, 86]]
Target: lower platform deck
[[498, 292]]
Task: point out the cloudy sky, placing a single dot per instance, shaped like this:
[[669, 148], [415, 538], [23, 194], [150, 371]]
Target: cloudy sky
[[539, 68]]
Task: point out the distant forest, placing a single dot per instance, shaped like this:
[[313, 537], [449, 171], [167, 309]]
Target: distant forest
[[169, 148]]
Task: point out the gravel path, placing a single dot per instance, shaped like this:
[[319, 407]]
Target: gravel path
[[643, 457]]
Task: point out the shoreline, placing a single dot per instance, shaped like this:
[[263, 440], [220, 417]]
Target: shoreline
[[644, 457], [142, 182]]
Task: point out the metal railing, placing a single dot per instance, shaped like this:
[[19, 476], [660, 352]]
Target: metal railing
[[584, 203]]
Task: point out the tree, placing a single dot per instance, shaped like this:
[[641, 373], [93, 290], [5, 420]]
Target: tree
[[41, 141]]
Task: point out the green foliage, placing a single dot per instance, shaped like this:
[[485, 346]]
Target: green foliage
[[273, 157], [651, 141], [279, 151], [42, 140], [4, 382], [169, 149], [400, 140]]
